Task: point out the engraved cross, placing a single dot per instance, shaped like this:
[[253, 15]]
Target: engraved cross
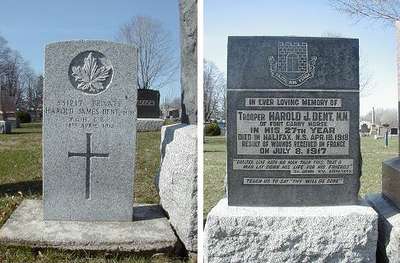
[[88, 155]]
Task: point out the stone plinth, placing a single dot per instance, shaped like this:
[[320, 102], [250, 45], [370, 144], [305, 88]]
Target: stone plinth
[[291, 234], [391, 179], [177, 182], [147, 124], [149, 232], [389, 228]]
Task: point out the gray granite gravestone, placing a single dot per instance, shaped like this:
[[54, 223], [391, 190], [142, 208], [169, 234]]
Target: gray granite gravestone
[[89, 118], [89, 132], [293, 155], [293, 111]]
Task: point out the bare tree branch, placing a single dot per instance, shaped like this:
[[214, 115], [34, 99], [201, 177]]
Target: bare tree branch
[[214, 91], [387, 11], [157, 64]]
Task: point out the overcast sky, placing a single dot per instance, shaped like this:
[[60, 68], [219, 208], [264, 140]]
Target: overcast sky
[[305, 18], [29, 25]]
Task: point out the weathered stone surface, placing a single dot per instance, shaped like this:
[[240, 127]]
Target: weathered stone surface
[[177, 182], [89, 131], [147, 124], [292, 121], [149, 232], [188, 25], [290, 234], [389, 228]]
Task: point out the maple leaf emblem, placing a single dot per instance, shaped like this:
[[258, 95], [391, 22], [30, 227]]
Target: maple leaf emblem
[[90, 76]]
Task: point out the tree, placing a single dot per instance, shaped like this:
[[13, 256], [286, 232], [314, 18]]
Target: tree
[[157, 63], [214, 91], [10, 81], [34, 94], [15, 74], [387, 11]]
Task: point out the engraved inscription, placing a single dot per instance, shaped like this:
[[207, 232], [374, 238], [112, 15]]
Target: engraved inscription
[[292, 133], [297, 166], [294, 102], [292, 67], [90, 72], [94, 113], [146, 103], [293, 181], [88, 155]]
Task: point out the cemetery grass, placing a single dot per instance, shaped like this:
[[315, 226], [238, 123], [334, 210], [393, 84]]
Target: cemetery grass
[[21, 178], [373, 153]]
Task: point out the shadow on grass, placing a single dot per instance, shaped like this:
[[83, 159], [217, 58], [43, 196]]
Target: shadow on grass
[[26, 187], [214, 151], [147, 212], [24, 132]]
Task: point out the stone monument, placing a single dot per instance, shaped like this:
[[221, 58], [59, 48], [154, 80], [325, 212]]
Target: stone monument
[[148, 107], [293, 155], [89, 138], [8, 119], [387, 203], [177, 178], [148, 103]]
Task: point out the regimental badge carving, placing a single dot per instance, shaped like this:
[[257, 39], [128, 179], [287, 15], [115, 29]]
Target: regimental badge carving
[[292, 68], [90, 72]]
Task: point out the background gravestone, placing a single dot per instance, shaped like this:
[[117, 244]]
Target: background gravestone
[[148, 103], [293, 114], [89, 131]]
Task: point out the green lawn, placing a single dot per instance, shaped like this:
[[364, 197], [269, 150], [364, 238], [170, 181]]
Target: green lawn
[[21, 177], [373, 153]]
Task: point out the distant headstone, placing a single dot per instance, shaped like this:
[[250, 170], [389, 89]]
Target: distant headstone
[[374, 130], [173, 113], [364, 128], [148, 103], [7, 110], [89, 130], [5, 127], [293, 118]]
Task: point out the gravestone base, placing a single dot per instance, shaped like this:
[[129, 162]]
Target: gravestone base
[[149, 232], [389, 228], [391, 179], [147, 124], [291, 234]]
